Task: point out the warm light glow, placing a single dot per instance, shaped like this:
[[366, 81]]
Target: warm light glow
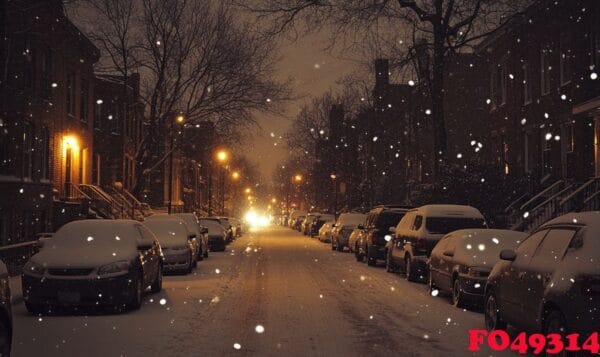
[[222, 155], [298, 178], [273, 200], [333, 176], [70, 142], [255, 219], [248, 190], [180, 118], [235, 175]]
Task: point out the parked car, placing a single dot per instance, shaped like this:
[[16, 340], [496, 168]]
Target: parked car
[[297, 222], [319, 222], [237, 225], [551, 281], [412, 241], [193, 225], [228, 228], [6, 326], [294, 217], [354, 239], [176, 243], [325, 232], [217, 234], [372, 244], [91, 263], [196, 242], [306, 224], [344, 226], [462, 260]]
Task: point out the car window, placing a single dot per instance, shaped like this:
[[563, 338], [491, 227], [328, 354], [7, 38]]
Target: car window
[[388, 219], [418, 223], [555, 244], [530, 244], [145, 233], [451, 245], [443, 225]]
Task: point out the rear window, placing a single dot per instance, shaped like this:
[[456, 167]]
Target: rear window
[[443, 225], [385, 220]]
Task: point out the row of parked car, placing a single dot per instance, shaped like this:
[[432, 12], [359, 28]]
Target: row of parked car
[[545, 281], [112, 263]]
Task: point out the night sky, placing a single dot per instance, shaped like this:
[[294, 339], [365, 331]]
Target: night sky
[[314, 71]]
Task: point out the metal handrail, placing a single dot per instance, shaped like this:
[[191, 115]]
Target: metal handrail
[[73, 192], [579, 190], [554, 197], [542, 194]]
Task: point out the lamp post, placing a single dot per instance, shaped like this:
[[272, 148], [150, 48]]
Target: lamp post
[[335, 199], [222, 157], [179, 118], [297, 179]]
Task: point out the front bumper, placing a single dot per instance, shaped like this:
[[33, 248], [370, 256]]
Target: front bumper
[[85, 291], [216, 243]]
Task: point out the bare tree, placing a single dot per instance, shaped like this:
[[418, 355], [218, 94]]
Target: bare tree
[[410, 28], [194, 57]]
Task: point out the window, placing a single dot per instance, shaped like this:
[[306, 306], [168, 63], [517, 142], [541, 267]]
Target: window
[[71, 93], [526, 85], [46, 77], [545, 69], [565, 59], [418, 222], [83, 100], [530, 244], [555, 245], [444, 225], [27, 150], [498, 85], [45, 157], [569, 138]]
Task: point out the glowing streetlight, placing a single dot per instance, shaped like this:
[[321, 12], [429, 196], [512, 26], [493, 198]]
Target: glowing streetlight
[[298, 178], [235, 175], [248, 190], [180, 118], [222, 156], [273, 200]]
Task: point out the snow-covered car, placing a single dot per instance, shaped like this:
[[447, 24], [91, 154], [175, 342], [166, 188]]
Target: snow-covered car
[[551, 281], [228, 228], [344, 226], [193, 228], [176, 243], [372, 243], [217, 234], [294, 217], [462, 260], [354, 238], [92, 263], [6, 326], [307, 224], [410, 243], [319, 222], [325, 232], [237, 224], [193, 225]]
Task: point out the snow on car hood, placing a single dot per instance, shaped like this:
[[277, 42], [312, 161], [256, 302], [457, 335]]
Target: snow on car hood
[[89, 244]]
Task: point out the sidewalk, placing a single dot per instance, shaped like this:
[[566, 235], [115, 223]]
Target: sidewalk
[[15, 290]]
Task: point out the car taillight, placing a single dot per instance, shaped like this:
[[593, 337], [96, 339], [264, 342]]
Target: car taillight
[[591, 285]]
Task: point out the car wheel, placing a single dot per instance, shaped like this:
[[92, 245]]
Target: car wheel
[[193, 263], [200, 256], [431, 284], [136, 298], [390, 267], [357, 255], [205, 255], [5, 337], [493, 320], [458, 299], [411, 272], [371, 258], [157, 284], [339, 247]]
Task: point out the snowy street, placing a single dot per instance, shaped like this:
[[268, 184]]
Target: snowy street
[[309, 300]]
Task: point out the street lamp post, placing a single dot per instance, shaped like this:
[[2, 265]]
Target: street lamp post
[[297, 178], [179, 119], [335, 199], [222, 157]]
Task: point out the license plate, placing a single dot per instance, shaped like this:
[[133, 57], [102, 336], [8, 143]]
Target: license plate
[[68, 297]]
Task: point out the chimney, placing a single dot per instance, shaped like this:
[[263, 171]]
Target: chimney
[[382, 72]]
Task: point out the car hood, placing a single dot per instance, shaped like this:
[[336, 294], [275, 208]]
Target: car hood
[[52, 258]]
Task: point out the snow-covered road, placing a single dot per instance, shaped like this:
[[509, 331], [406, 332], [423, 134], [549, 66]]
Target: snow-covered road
[[309, 300]]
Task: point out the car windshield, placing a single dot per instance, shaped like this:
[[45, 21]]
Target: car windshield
[[388, 219], [225, 223], [444, 225]]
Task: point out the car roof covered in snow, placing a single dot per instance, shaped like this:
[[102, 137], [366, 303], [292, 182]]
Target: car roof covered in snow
[[590, 219], [445, 210], [476, 235]]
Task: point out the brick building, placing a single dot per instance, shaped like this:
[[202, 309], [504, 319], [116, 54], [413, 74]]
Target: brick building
[[46, 141]]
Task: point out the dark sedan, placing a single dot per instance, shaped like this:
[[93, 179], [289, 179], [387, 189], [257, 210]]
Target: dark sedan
[[92, 263], [462, 260], [551, 281], [5, 312], [217, 234]]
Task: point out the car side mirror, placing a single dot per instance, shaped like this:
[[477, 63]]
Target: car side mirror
[[392, 230], [203, 230], [448, 253], [508, 254], [191, 236], [360, 226]]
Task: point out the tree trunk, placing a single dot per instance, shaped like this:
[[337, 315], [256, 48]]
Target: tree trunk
[[437, 100]]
